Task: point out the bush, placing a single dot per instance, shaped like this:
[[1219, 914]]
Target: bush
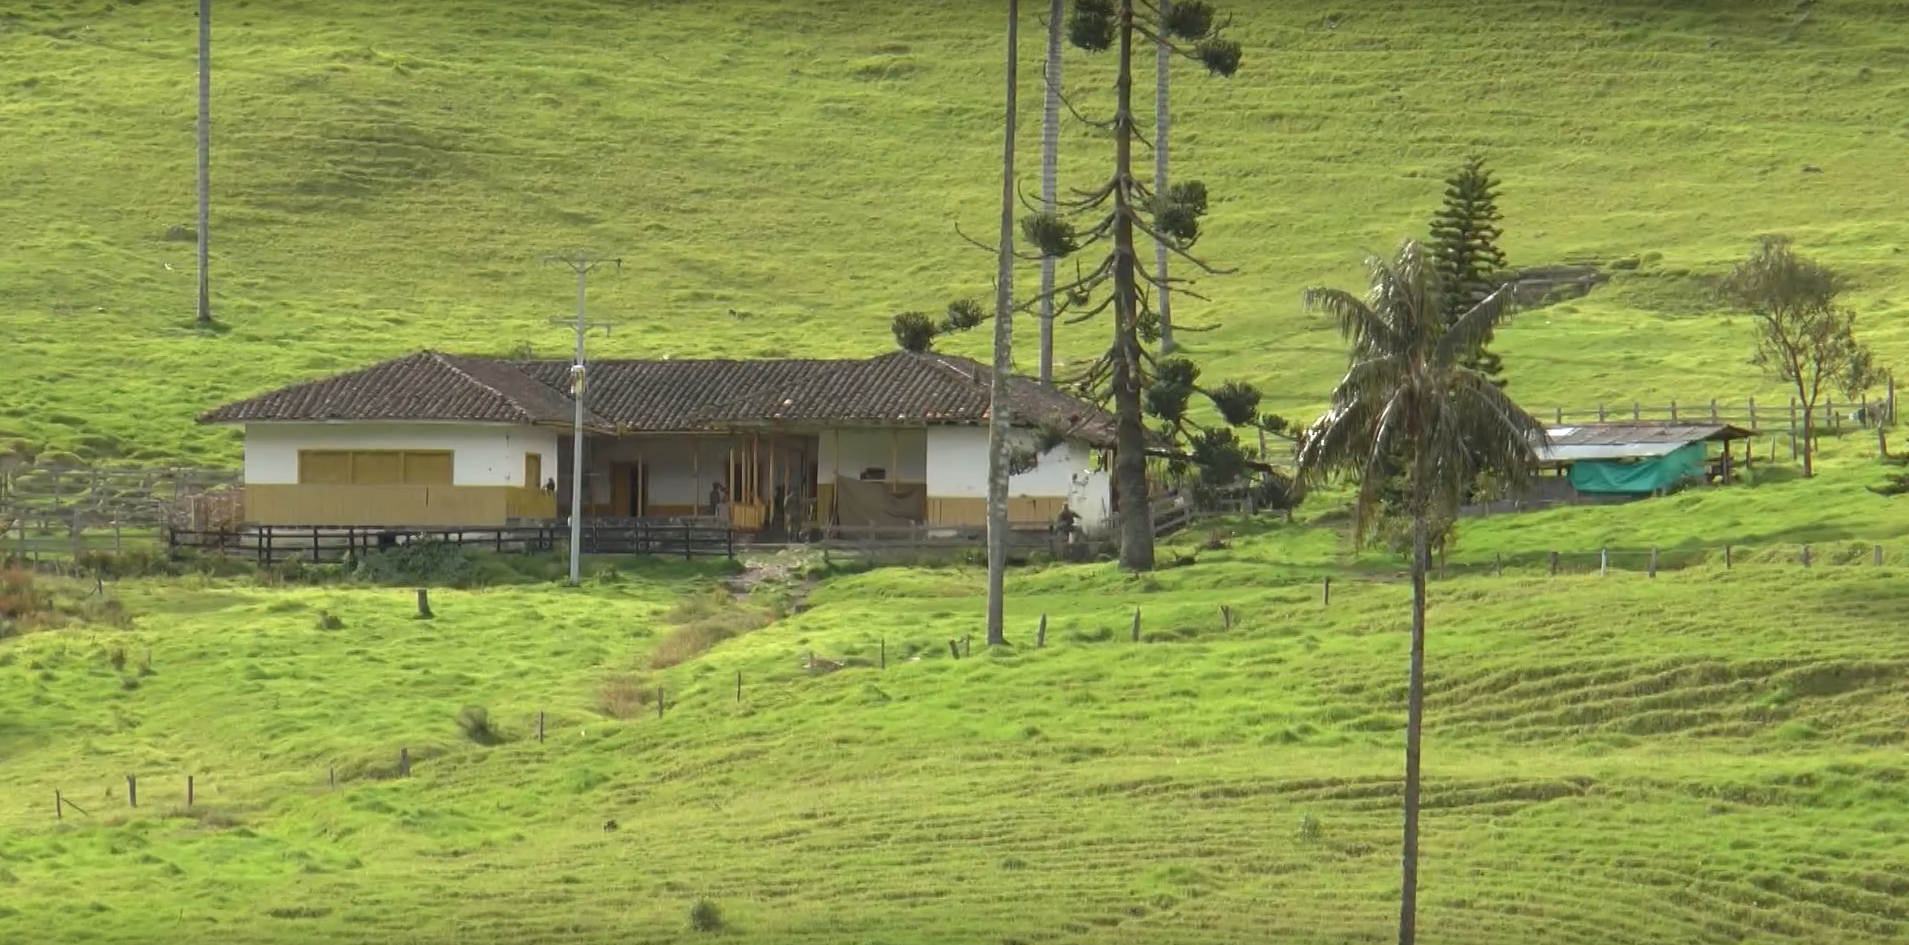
[[475, 722], [421, 564], [705, 916], [624, 696]]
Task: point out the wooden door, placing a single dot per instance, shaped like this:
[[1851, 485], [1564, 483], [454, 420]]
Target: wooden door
[[533, 471]]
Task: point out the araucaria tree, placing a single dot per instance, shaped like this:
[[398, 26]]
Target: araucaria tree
[[1121, 210], [1464, 239], [1803, 338], [1409, 391]]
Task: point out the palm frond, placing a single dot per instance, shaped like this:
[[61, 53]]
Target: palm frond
[[1473, 329]]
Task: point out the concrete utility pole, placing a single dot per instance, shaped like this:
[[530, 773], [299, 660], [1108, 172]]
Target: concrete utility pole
[[205, 158], [582, 264]]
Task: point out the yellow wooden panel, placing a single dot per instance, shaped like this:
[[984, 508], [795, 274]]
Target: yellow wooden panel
[[972, 511], [533, 470], [324, 467], [427, 468], [392, 506], [529, 503], [377, 468]]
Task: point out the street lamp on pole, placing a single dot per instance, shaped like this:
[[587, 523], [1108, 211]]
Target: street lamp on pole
[[582, 264]]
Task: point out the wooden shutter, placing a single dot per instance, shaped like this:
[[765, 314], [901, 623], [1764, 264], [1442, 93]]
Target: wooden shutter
[[427, 469], [324, 468], [377, 468]]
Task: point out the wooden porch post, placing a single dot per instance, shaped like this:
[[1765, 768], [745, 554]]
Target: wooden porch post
[[696, 478]]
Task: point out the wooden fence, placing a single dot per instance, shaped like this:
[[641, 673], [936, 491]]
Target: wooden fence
[[270, 544]]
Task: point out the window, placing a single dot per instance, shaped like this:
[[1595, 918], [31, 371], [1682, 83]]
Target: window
[[374, 467]]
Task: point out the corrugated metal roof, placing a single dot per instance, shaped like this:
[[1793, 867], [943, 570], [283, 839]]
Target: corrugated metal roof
[[1630, 440]]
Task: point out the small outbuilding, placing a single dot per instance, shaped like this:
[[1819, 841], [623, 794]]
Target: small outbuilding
[[1642, 459]]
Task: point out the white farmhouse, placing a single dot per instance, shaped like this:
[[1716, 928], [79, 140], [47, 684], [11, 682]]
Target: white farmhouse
[[433, 439]]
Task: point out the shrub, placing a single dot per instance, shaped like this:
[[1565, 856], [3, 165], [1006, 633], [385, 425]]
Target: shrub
[[624, 696], [475, 722], [19, 599], [705, 916], [421, 563]]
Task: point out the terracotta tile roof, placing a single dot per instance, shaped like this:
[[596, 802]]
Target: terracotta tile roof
[[652, 396], [428, 385]]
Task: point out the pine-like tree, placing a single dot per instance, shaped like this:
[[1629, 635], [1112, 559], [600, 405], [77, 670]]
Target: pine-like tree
[[1464, 244]]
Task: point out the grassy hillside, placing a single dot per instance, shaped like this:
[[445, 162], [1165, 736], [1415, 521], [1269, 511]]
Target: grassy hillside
[[387, 175], [1722, 765]]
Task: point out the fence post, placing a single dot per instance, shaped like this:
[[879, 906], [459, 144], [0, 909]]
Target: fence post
[[1554, 564], [1713, 410], [1637, 411], [59, 805], [1673, 410], [132, 791], [1136, 625], [954, 648], [424, 604], [1753, 413], [1040, 635], [686, 541], [967, 644], [540, 726], [1497, 564], [1879, 556], [884, 646], [1603, 561], [1226, 617], [314, 544], [1835, 422], [1806, 556], [1325, 591], [188, 790], [1560, 415], [739, 687], [264, 546], [331, 777], [1653, 561], [659, 702], [404, 762], [1600, 412], [1726, 557]]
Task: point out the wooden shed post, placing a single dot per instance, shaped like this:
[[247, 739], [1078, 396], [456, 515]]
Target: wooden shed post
[[1753, 413]]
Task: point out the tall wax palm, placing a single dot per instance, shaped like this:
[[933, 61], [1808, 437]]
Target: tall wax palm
[[1050, 173], [999, 421], [1408, 392]]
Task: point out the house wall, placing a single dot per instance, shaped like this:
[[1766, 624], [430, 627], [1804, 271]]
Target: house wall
[[482, 454], [958, 480], [848, 452]]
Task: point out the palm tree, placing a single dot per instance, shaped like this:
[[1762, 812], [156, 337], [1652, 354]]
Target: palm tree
[[205, 148], [1163, 67], [1409, 392], [998, 419], [1050, 175]]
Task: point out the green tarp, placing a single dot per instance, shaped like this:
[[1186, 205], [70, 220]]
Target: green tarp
[[1638, 476]]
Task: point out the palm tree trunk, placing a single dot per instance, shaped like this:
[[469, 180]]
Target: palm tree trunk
[[1130, 437], [205, 159], [1050, 176], [1163, 61], [1414, 725], [998, 419]]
